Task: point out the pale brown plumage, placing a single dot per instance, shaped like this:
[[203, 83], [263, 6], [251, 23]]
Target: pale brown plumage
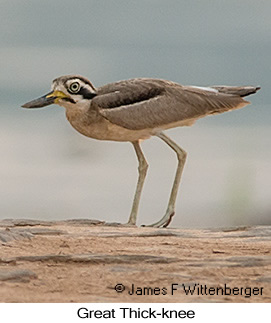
[[136, 109], [147, 103]]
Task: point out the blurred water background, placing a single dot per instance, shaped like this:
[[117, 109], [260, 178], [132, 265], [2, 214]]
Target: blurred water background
[[49, 171]]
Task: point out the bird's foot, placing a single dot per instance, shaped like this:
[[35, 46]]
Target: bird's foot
[[116, 224], [131, 222], [128, 224], [164, 222]]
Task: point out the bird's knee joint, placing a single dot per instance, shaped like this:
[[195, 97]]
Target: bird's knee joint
[[143, 166], [182, 156]]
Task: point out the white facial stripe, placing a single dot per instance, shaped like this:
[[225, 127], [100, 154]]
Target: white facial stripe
[[90, 88]]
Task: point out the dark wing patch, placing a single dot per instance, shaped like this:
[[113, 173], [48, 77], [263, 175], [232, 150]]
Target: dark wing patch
[[130, 98], [125, 93], [133, 105]]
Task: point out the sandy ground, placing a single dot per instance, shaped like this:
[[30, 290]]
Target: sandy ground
[[81, 261]]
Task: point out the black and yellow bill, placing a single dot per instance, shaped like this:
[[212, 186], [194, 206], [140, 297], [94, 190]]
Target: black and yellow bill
[[47, 99]]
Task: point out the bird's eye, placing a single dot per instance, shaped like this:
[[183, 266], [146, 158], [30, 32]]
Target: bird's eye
[[74, 87]]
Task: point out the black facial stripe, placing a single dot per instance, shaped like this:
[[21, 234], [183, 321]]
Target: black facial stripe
[[68, 99], [86, 94]]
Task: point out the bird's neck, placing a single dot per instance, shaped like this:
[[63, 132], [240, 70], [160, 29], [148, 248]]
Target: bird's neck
[[81, 114]]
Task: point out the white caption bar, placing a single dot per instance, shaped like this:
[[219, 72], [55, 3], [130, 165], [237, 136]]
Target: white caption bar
[[187, 312]]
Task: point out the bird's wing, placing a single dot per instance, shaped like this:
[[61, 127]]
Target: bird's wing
[[147, 103]]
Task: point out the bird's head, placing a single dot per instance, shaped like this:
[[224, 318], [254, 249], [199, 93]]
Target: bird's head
[[67, 91]]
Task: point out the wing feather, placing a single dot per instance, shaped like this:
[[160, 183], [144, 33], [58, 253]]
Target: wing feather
[[147, 103]]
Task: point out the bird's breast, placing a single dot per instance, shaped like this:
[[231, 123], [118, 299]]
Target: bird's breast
[[93, 125]]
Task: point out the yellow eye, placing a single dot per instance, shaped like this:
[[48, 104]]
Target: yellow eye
[[74, 87]]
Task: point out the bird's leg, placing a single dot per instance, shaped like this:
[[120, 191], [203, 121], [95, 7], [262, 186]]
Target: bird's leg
[[181, 155], [142, 171]]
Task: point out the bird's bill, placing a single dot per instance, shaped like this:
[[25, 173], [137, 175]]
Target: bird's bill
[[47, 99]]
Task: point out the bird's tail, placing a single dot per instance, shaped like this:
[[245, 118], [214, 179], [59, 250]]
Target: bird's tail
[[237, 90], [232, 98]]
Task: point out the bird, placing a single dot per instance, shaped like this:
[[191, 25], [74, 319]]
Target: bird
[[136, 109]]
